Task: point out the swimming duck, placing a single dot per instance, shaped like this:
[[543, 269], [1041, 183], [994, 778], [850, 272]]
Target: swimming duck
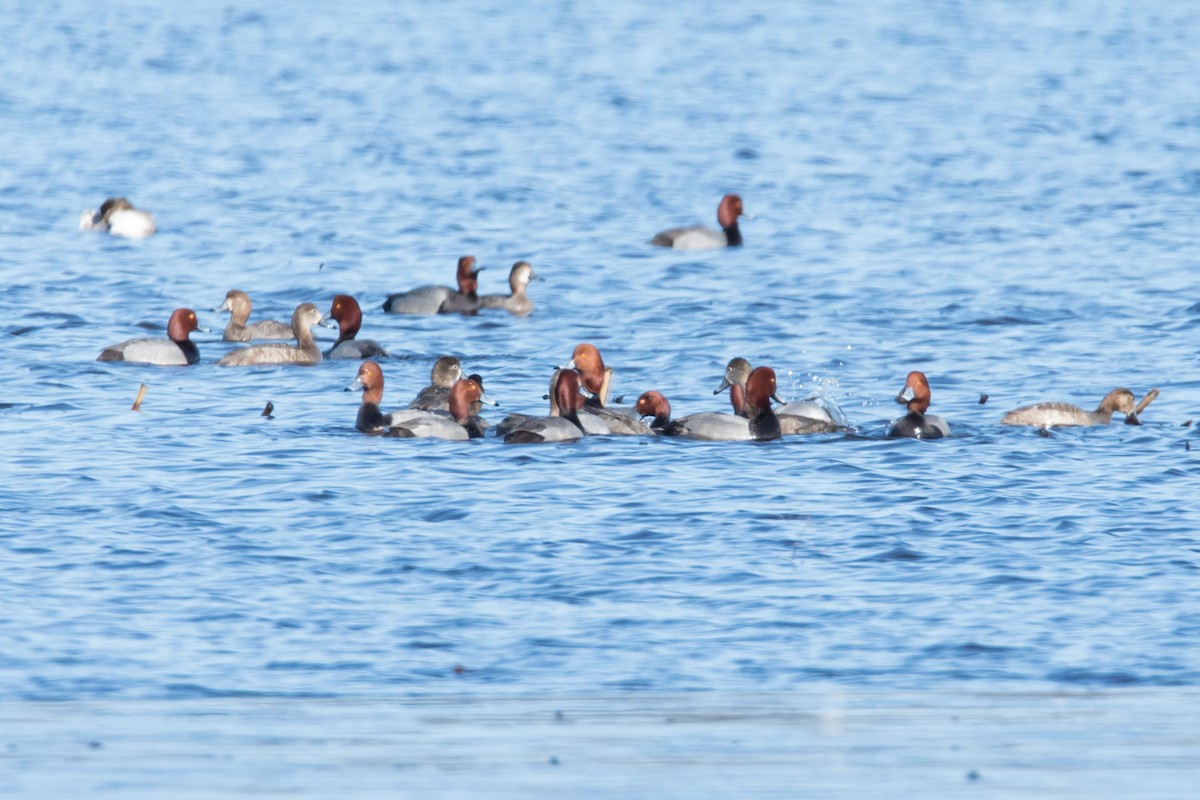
[[702, 238], [517, 302], [597, 379], [238, 304], [118, 216], [177, 350], [917, 424], [305, 352], [564, 423], [436, 396], [346, 311], [707, 425], [459, 424], [1049, 415], [761, 425], [440, 299]]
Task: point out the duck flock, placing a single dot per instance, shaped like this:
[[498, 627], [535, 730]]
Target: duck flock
[[449, 408]]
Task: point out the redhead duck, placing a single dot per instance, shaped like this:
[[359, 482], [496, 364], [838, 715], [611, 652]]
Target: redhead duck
[[305, 352], [440, 299], [564, 423], [436, 396], [702, 238], [597, 379], [917, 424], [177, 350], [761, 425], [518, 301], [709, 425], [349, 319], [118, 216], [459, 424], [1049, 415], [238, 304], [796, 418]]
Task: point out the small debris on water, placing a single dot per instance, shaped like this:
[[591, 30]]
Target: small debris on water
[[983, 398], [137, 403], [268, 409], [973, 775]]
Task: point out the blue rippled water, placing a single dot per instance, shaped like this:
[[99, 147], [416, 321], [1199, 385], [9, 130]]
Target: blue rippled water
[[1002, 195]]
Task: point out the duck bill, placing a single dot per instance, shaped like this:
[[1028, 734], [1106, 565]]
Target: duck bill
[[905, 396], [725, 384], [1132, 418], [487, 401], [354, 387]]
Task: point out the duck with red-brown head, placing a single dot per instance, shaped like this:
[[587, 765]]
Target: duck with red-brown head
[[177, 350], [918, 424], [701, 238], [760, 391], [588, 362], [708, 426], [564, 423], [370, 380], [430, 300], [597, 380], [348, 315]]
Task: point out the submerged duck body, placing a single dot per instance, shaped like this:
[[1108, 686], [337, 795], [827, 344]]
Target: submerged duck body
[[430, 300], [702, 238], [238, 304], [346, 312], [304, 353], [1050, 415], [918, 424], [517, 302], [177, 350]]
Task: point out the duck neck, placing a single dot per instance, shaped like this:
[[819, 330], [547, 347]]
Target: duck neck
[[348, 327], [190, 351], [733, 234], [370, 418], [737, 399], [304, 337], [764, 425]]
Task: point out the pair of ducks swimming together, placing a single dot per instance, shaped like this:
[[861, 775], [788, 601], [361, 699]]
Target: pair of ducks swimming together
[[574, 414], [428, 300], [179, 350], [118, 216]]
